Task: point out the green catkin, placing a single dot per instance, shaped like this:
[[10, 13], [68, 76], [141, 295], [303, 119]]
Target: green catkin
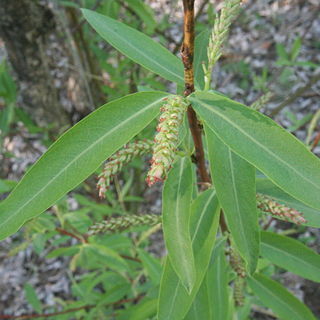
[[119, 159], [166, 139], [260, 102], [237, 264], [238, 291], [267, 204], [219, 36], [121, 223]]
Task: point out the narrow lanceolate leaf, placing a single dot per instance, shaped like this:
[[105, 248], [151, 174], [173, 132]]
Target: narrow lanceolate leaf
[[200, 56], [273, 295], [75, 155], [311, 215], [291, 255], [263, 143], [176, 202], [174, 300], [137, 46], [217, 283], [234, 180]]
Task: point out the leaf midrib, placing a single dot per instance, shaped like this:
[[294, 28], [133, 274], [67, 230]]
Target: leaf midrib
[[78, 157]]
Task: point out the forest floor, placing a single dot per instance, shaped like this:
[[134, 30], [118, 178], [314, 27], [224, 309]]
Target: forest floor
[[251, 50]]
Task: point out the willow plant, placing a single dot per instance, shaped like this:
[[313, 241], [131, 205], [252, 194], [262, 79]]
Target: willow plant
[[222, 164]]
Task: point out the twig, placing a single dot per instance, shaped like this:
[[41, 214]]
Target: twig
[[72, 235], [187, 51], [315, 141], [295, 95], [178, 43]]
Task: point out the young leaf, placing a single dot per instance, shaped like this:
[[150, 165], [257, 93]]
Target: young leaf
[[177, 195], [137, 46], [174, 300], [263, 143], [234, 180], [280, 300], [32, 297], [291, 255], [75, 155], [200, 56], [265, 186], [217, 282]]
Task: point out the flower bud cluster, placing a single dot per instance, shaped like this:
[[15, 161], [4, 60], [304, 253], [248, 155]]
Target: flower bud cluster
[[267, 204], [167, 138], [119, 159], [118, 224]]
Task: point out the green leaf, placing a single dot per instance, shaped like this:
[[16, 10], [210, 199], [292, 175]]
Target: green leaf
[[295, 50], [75, 155], [142, 311], [263, 143], [174, 300], [106, 256], [291, 255], [234, 180], [137, 46], [265, 186], [280, 300], [176, 201], [32, 297], [144, 12], [217, 282], [201, 306], [151, 265], [212, 299], [200, 56], [63, 252]]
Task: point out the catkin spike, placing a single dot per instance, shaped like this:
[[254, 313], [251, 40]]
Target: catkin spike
[[118, 224], [166, 139], [219, 35], [278, 210], [238, 291], [115, 163], [261, 101]]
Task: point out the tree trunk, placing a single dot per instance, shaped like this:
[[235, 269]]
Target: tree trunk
[[46, 64]]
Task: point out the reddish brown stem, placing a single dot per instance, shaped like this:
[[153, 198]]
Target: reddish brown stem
[[187, 51], [72, 235], [315, 141]]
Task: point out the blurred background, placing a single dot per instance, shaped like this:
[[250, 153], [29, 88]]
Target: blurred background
[[54, 70]]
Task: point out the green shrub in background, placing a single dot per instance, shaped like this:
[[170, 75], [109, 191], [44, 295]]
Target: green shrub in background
[[219, 258]]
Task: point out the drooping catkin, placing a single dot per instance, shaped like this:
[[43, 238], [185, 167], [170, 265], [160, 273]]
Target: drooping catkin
[[267, 204], [166, 139], [122, 157], [121, 223], [219, 35]]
